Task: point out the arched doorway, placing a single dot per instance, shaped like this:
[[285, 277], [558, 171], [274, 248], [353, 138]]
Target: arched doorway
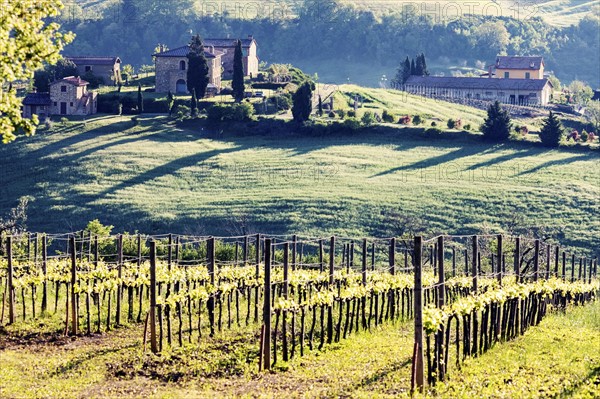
[[181, 86]]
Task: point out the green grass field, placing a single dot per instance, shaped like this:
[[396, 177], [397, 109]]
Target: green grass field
[[160, 177], [558, 358]]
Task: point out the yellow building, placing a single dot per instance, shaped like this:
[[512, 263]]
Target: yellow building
[[519, 67]]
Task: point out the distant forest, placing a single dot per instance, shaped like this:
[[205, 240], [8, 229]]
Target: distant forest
[[320, 32]]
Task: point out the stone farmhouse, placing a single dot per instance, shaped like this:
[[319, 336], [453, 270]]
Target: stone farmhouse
[[68, 96], [171, 70], [511, 80], [171, 65], [227, 48], [107, 68]]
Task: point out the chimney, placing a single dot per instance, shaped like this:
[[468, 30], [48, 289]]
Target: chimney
[[251, 37], [490, 71], [212, 49]]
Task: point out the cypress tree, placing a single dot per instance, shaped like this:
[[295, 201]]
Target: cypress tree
[[424, 65], [413, 69], [170, 102], [238, 73], [552, 131], [496, 126], [302, 102], [140, 99], [197, 72], [194, 103], [320, 106], [419, 66], [406, 70]]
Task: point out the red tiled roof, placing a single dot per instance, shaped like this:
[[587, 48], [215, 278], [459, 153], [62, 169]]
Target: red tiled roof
[[94, 60], [77, 81], [182, 51], [505, 62]]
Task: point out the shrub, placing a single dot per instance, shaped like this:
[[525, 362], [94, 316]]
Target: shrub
[[282, 101], [331, 114], [49, 124], [451, 123], [433, 132], [341, 113], [467, 126], [387, 117], [135, 120], [368, 118], [234, 112], [417, 120], [574, 135], [584, 136], [404, 120], [458, 123], [351, 114], [591, 137], [351, 123], [433, 124], [64, 121]]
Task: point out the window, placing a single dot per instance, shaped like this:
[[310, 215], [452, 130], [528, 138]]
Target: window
[[506, 75], [488, 93], [501, 93], [88, 68], [182, 65], [527, 75], [63, 89], [70, 104], [55, 104], [532, 95]]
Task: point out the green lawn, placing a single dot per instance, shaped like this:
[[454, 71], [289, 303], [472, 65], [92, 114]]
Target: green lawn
[[157, 177]]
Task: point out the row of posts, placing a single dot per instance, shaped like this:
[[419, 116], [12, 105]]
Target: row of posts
[[417, 369]]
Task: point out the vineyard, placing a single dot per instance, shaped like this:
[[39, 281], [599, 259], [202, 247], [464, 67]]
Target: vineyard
[[464, 293]]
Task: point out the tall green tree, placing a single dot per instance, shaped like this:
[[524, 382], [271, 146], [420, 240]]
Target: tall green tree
[[302, 102], [140, 99], [419, 66], [27, 41], [170, 102], [424, 70], [496, 126], [238, 73], [413, 68], [552, 131], [194, 103], [197, 72], [320, 106]]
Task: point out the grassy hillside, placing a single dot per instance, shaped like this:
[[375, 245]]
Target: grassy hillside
[[156, 177]]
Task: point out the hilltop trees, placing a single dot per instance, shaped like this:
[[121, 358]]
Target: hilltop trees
[[26, 42], [302, 102], [238, 73], [496, 126], [197, 72], [417, 67], [552, 131]]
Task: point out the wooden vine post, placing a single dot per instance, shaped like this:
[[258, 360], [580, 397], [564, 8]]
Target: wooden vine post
[[11, 288], [392, 256], [331, 281], [499, 255], [74, 318], [119, 275], [547, 276], [536, 261], [364, 262], [256, 275], [417, 360], [45, 271], [294, 251], [517, 258], [440, 304], [474, 265], [572, 267], [152, 316], [266, 350], [321, 264], [210, 246], [286, 287]]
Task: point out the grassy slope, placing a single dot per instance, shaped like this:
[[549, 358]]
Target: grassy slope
[[155, 178], [558, 358]]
